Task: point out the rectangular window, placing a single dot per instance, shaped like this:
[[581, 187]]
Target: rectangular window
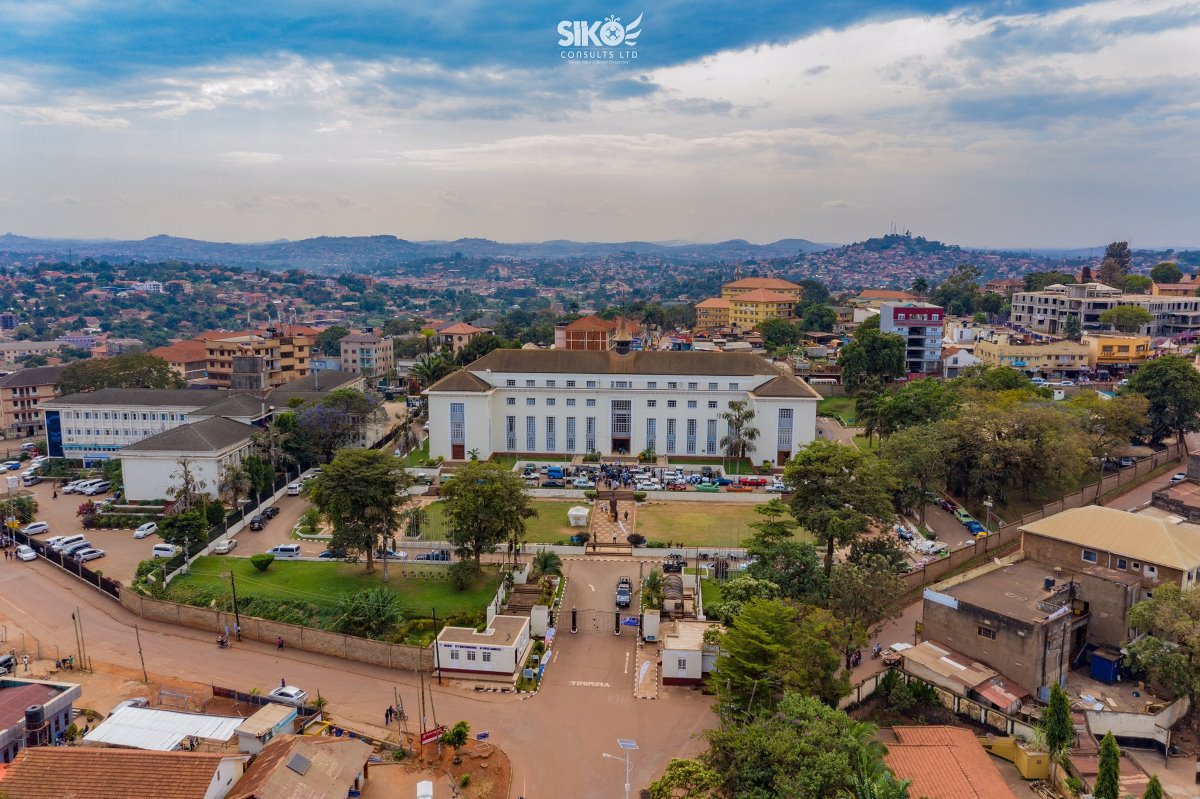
[[591, 433], [671, 429], [531, 401], [550, 383], [487, 657], [682, 664], [733, 386], [550, 401], [691, 436], [712, 386], [530, 383], [550, 442], [570, 433], [531, 434], [510, 400], [693, 386], [783, 441], [470, 656], [672, 403], [622, 417], [458, 423], [652, 434], [570, 384], [591, 384], [984, 632], [652, 384], [591, 403], [712, 403], [1090, 556], [710, 445], [510, 433], [570, 402], [651, 403], [691, 403], [510, 383], [1122, 564], [454, 654], [672, 385], [620, 384]]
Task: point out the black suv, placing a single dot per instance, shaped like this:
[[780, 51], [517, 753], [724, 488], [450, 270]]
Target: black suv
[[437, 554], [674, 563], [270, 512], [259, 521], [624, 592]]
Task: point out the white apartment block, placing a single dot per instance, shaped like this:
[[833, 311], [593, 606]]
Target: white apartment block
[[920, 324], [1047, 311], [569, 402]]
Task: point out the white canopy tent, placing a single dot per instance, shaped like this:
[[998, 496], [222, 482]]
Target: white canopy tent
[[578, 516]]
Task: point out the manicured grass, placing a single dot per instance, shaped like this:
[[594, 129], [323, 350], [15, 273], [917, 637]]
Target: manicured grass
[[414, 458], [698, 524], [862, 443], [549, 526], [507, 461], [711, 591], [842, 406], [323, 582]]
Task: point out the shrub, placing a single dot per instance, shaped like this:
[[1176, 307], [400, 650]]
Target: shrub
[[655, 544], [462, 574], [262, 561], [71, 732], [590, 494], [639, 496], [464, 781], [399, 754], [636, 539], [215, 512]]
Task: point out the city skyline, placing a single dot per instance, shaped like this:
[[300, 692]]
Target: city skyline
[[997, 124]]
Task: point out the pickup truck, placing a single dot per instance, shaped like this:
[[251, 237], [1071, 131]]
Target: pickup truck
[[624, 592]]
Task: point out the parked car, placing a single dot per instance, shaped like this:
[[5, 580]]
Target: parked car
[[962, 515], [554, 484], [293, 489], [332, 554], [975, 528], [708, 488], [30, 479], [29, 446], [285, 551], [163, 551], [391, 554], [36, 528], [649, 485], [437, 554], [147, 529], [739, 488], [674, 563], [624, 592], [583, 482], [259, 521], [100, 487], [531, 480], [722, 480], [777, 487], [757, 481], [271, 511], [11, 466], [677, 485], [26, 553], [224, 547], [1038, 381], [706, 471], [1125, 462], [87, 553], [72, 544], [288, 695], [1065, 383], [894, 654], [1178, 477], [947, 506]]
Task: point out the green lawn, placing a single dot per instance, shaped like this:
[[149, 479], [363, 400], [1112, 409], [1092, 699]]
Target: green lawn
[[507, 461], [842, 406], [711, 592], [414, 458], [323, 582], [698, 524], [862, 443], [547, 527]]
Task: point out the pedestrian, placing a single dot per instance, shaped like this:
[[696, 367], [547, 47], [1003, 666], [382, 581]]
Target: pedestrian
[[282, 683], [626, 515], [25, 662], [279, 642], [237, 631], [54, 494]]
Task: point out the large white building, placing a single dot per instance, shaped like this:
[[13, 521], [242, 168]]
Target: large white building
[[1047, 311], [567, 402], [150, 467], [920, 325]]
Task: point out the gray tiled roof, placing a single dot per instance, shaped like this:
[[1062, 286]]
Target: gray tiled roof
[[462, 380], [634, 363], [786, 386], [235, 405], [141, 397], [210, 435], [35, 376]]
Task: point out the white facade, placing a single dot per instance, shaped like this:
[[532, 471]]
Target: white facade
[[1047, 311], [149, 475], [99, 429], [954, 360], [686, 659], [626, 409], [499, 651], [920, 324]]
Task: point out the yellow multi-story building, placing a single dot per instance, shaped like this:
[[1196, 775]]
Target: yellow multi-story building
[[748, 302], [1106, 350], [284, 358], [1061, 358]]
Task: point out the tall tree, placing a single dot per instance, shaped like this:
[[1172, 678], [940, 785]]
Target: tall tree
[[1072, 329], [871, 354], [1154, 789], [738, 441], [186, 486], [838, 492], [685, 779], [1118, 259], [864, 597], [779, 333], [1172, 386], [1036, 281], [773, 647], [1166, 272], [1127, 318], [1169, 652], [959, 293], [486, 504], [1108, 780], [328, 341], [234, 484], [430, 368], [920, 286], [920, 457], [362, 493], [818, 319], [1136, 284], [802, 750], [1108, 424], [1057, 725], [917, 402], [123, 371]]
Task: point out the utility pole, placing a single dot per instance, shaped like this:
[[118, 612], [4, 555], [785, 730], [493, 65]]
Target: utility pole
[[437, 655], [237, 619], [137, 632]]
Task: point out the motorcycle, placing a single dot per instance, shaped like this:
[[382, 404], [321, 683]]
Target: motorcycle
[[223, 643], [876, 651]]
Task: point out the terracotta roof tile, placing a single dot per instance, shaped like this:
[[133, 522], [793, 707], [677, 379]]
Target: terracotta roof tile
[[334, 765], [945, 763], [460, 328], [761, 283], [83, 772], [650, 362], [182, 352]]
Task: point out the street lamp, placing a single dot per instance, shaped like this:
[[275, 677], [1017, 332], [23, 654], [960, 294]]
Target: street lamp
[[629, 745], [988, 503]]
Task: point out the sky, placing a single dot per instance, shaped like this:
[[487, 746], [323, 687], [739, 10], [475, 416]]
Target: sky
[[995, 124]]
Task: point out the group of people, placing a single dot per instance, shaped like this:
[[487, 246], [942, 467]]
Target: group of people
[[390, 715]]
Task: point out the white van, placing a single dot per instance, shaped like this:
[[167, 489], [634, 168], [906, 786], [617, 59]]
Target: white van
[[78, 546], [83, 486], [163, 551], [285, 551], [69, 541]]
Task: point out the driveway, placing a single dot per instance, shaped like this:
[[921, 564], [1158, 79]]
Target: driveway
[[554, 738]]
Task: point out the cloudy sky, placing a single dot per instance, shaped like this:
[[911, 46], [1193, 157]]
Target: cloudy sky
[[996, 124]]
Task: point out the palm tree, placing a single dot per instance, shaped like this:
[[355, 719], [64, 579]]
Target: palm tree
[[547, 562], [428, 369], [652, 589], [373, 613], [738, 441], [234, 484]]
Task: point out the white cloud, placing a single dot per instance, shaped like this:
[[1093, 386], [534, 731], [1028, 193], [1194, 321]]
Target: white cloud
[[341, 124], [250, 157]]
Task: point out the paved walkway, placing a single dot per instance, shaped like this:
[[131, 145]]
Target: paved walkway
[[645, 673], [610, 536]]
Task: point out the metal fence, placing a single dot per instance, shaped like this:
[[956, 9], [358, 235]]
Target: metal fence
[[70, 565]]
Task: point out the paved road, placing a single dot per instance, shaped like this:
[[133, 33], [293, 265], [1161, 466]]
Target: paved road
[[1141, 495], [555, 739]]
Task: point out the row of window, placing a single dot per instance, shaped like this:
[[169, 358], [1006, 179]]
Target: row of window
[[126, 416], [551, 402], [672, 385], [621, 427], [1123, 564], [487, 656], [87, 431]]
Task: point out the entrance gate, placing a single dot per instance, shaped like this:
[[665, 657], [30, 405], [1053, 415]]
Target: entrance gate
[[588, 620]]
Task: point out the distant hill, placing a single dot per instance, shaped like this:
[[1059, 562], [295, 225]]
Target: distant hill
[[335, 253]]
